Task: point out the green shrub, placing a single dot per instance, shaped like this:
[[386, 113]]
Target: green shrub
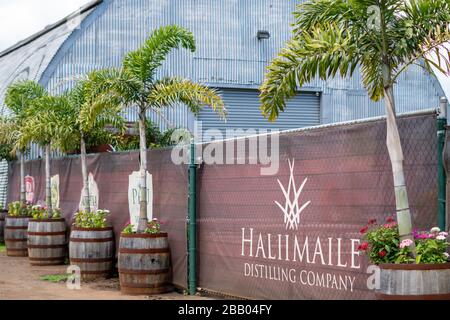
[[95, 219], [16, 209]]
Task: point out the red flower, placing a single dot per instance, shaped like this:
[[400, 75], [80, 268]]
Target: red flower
[[390, 219], [390, 225], [372, 221], [364, 230], [382, 253], [363, 246]]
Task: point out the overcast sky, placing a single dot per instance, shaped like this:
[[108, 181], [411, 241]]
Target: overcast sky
[[21, 18]]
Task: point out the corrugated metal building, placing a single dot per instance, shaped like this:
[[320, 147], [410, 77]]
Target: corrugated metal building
[[229, 56]]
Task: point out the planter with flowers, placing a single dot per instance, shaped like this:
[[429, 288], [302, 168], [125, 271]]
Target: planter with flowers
[[16, 225], [404, 275], [47, 241], [144, 260], [91, 244]]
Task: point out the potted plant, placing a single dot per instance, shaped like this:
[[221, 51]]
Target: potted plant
[[18, 98], [47, 244], [47, 230], [91, 244], [135, 83], [16, 225], [6, 153], [150, 249], [403, 276]]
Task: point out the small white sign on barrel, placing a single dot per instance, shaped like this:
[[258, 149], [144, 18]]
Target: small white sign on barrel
[[29, 189], [134, 197], [55, 190], [93, 192]]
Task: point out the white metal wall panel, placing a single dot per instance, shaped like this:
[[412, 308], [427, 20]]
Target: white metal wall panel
[[243, 112]]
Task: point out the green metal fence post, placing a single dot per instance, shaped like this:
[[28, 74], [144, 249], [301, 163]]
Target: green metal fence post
[[192, 241], [441, 125]]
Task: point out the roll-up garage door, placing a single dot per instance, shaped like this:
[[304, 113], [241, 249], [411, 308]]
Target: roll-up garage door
[[243, 112]]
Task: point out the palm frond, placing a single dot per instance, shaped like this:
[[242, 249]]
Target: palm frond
[[20, 94], [323, 51], [169, 91], [143, 62]]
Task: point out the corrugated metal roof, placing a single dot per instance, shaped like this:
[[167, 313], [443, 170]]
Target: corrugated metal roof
[[29, 58], [228, 53]]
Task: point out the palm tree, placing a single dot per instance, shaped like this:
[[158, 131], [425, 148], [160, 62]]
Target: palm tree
[[135, 84], [41, 127], [383, 37], [81, 120], [19, 97]]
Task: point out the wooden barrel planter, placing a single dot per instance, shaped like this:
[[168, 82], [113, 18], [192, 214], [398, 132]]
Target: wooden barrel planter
[[92, 249], [16, 235], [414, 282], [47, 244], [2, 224], [144, 264]]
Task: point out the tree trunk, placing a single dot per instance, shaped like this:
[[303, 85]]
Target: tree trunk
[[142, 225], [22, 178], [86, 203], [396, 155], [48, 185]]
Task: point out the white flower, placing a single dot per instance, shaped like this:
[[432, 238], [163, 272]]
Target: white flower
[[435, 230], [446, 255], [440, 238], [445, 234]]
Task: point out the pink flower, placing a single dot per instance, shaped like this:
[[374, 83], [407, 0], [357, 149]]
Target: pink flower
[[422, 236], [382, 253], [390, 219], [444, 234], [390, 225], [372, 221], [406, 243], [440, 238]]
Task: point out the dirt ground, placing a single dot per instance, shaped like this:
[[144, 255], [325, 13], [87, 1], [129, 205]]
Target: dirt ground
[[20, 280]]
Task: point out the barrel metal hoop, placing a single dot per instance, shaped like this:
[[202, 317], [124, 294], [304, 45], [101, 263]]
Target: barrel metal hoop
[[144, 235], [46, 259], [23, 249], [143, 251], [59, 233], [16, 227], [91, 239], [16, 240], [144, 285], [92, 229], [95, 272], [143, 272], [43, 246], [88, 260], [19, 217]]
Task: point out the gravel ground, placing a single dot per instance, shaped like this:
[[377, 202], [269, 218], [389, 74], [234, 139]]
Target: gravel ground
[[20, 280]]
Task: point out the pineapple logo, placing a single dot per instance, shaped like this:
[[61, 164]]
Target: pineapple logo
[[291, 209]]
